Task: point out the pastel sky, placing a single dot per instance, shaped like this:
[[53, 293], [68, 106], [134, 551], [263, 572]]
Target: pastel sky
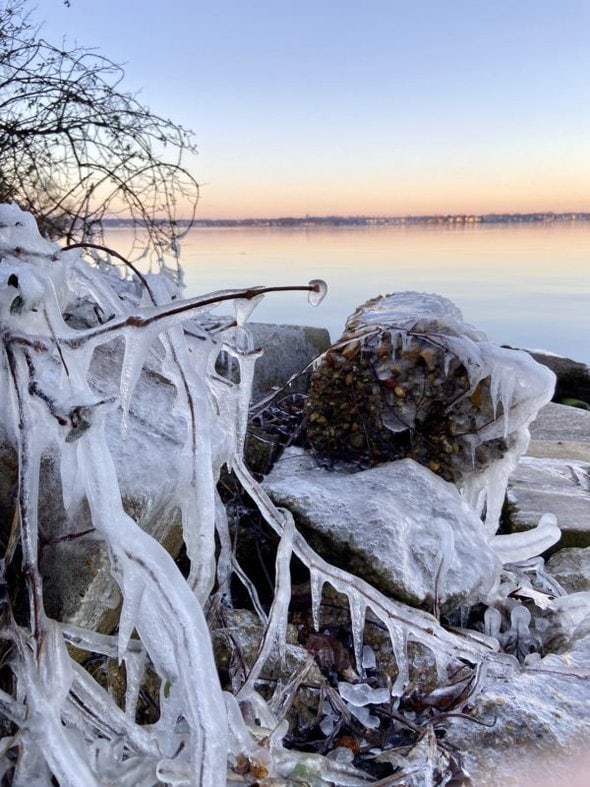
[[380, 107]]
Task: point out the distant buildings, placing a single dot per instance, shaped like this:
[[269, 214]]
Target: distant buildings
[[370, 221]]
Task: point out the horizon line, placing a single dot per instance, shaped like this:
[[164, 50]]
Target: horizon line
[[458, 218]]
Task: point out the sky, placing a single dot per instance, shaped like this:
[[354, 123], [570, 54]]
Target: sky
[[379, 107]]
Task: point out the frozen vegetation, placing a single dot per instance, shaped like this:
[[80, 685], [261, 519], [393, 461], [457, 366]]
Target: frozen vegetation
[[60, 720]]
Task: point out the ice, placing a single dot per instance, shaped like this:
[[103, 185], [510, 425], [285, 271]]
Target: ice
[[316, 584], [360, 694], [358, 611], [514, 547], [137, 346], [275, 635], [492, 622], [369, 660], [318, 291], [328, 724], [518, 639], [70, 729], [243, 308], [364, 715]]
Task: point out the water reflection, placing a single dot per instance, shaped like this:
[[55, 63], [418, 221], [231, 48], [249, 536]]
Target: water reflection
[[526, 285]]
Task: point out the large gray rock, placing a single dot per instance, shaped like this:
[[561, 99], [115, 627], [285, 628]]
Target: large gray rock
[[556, 486], [399, 526], [539, 726]]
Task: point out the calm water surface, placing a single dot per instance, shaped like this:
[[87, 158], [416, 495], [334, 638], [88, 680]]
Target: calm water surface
[[525, 285]]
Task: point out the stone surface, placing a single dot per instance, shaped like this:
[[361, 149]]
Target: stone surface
[[560, 432], [571, 568], [559, 422], [557, 486], [539, 723], [390, 525], [288, 349]]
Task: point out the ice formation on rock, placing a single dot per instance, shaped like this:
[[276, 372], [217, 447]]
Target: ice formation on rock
[[69, 727], [410, 378]]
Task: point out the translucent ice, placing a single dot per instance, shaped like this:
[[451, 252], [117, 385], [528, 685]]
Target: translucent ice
[[360, 694], [318, 291], [514, 547]]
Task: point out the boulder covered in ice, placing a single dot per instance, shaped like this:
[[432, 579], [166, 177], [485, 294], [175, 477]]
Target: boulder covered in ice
[[409, 378], [399, 526]]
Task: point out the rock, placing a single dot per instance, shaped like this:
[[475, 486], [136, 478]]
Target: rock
[[237, 634], [391, 525], [288, 350], [538, 723], [560, 432], [571, 568], [556, 486], [409, 378], [573, 377]]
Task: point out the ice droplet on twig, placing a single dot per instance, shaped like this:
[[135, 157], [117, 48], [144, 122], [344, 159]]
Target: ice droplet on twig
[[317, 292]]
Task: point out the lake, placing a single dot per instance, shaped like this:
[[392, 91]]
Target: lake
[[527, 285]]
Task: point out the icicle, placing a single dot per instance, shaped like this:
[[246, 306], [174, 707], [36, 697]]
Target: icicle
[[407, 340], [316, 581], [243, 308], [399, 641], [369, 661], [134, 669], [137, 346], [447, 548], [492, 622], [133, 588], [276, 628], [358, 611]]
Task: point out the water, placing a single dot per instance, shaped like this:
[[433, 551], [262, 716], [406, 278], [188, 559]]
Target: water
[[524, 285]]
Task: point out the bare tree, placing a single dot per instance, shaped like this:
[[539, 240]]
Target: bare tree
[[75, 148]]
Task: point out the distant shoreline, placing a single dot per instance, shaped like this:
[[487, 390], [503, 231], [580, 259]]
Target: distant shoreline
[[371, 221]]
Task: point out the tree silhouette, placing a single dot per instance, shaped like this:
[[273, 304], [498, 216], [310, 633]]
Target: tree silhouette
[[76, 148]]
